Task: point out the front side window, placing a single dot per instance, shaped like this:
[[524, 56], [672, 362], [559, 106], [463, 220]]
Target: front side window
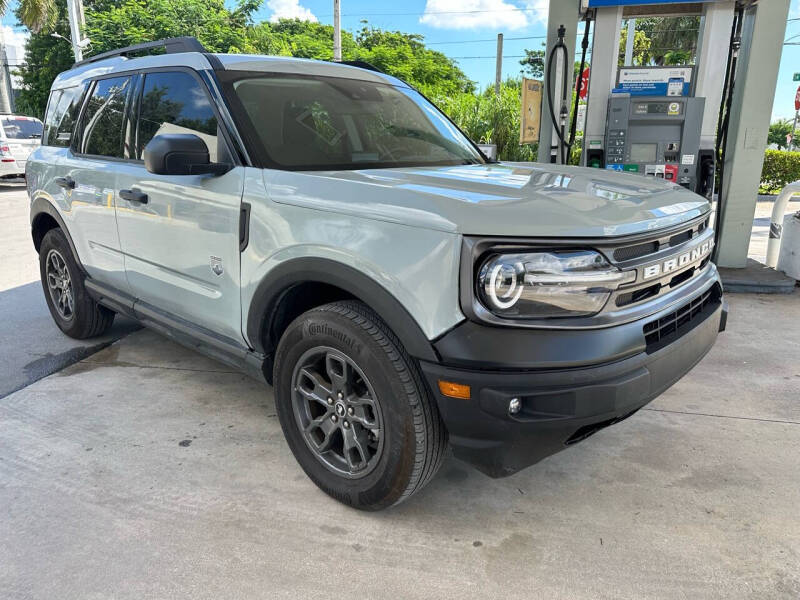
[[62, 112], [175, 103], [337, 123], [102, 125]]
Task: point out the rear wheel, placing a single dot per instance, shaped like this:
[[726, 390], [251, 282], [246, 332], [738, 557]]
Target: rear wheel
[[354, 409], [73, 310]]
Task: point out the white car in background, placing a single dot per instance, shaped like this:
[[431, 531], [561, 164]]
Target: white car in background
[[19, 136]]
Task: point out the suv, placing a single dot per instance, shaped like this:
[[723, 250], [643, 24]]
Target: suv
[[19, 136], [327, 229]]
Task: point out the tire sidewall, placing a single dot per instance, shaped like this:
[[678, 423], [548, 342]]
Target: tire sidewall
[[386, 483], [55, 240]]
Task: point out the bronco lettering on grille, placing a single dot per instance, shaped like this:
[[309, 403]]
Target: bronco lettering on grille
[[678, 262]]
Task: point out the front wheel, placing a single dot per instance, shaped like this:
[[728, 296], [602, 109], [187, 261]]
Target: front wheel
[[354, 409]]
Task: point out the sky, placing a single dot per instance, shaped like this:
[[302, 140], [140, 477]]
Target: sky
[[468, 37]]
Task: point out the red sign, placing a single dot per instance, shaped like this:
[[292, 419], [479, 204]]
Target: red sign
[[797, 99], [585, 84]]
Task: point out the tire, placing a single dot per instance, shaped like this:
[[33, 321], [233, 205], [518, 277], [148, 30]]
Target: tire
[[75, 313], [392, 415]]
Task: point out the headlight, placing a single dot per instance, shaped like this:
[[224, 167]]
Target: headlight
[[571, 283]]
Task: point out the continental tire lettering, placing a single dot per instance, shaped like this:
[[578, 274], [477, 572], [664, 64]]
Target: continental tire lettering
[[323, 329]]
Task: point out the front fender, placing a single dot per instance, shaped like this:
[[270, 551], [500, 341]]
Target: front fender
[[323, 270]]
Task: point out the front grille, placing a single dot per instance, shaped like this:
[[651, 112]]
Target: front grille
[[631, 252], [667, 329]]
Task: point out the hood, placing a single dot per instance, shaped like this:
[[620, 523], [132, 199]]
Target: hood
[[501, 199]]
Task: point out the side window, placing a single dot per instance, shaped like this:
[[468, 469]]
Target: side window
[[62, 112], [104, 118], [175, 103]]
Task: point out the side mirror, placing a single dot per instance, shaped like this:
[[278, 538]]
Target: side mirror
[[180, 154]]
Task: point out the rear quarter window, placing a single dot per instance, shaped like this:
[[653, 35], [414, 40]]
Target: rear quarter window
[[62, 112]]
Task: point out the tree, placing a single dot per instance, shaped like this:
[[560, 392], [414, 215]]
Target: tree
[[641, 47], [670, 34], [45, 57], [778, 132], [533, 64], [113, 24]]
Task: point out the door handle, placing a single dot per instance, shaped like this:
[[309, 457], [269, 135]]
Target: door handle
[[68, 183], [133, 196]]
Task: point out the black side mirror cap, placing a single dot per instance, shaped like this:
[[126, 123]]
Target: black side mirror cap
[[180, 154]]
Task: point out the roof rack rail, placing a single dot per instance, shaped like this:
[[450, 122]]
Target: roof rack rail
[[174, 45]]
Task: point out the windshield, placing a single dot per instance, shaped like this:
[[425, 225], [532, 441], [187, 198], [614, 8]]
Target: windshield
[[22, 128], [337, 123]]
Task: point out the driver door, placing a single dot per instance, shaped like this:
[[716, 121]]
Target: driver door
[[180, 234]]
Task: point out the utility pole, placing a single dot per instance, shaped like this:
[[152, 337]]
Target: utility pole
[[76, 23], [337, 31], [6, 94], [629, 42], [498, 75]]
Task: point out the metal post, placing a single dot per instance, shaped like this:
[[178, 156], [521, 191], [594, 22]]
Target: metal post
[[6, 94], [560, 12], [629, 42], [794, 127], [602, 78], [337, 31], [498, 74], [712, 52], [754, 93], [75, 13]]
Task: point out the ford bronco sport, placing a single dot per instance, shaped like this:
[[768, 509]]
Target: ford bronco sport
[[325, 228]]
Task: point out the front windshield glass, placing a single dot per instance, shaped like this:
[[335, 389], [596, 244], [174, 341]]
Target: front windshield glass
[[337, 123]]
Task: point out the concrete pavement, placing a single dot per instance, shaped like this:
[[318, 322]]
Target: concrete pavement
[[31, 346], [147, 471]]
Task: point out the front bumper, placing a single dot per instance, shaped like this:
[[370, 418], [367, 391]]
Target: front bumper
[[562, 406]]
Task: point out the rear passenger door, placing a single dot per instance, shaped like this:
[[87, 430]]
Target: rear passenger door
[[182, 244], [87, 176]]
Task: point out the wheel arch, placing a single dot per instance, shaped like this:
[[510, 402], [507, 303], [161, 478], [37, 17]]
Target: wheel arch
[[328, 280], [44, 217]]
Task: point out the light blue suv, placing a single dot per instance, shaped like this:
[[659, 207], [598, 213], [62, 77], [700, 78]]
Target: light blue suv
[[327, 229]]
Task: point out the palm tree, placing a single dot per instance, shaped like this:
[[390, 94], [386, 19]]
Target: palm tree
[[35, 15]]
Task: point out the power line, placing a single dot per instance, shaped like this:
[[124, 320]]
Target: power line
[[530, 37]]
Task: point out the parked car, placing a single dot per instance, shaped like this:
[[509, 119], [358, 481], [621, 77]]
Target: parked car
[[327, 229], [19, 136]]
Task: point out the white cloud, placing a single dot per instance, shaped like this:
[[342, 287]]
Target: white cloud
[[475, 14], [289, 9], [539, 11]]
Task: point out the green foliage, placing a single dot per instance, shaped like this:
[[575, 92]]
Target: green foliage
[[780, 168], [45, 57], [533, 64], [778, 132], [487, 118], [669, 35], [116, 24], [641, 47]]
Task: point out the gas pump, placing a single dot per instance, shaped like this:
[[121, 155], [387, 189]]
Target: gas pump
[[658, 136]]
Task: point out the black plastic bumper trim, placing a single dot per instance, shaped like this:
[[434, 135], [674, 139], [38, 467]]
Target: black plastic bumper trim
[[559, 407]]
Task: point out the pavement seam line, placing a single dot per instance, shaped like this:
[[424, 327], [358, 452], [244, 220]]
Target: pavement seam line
[[681, 412]]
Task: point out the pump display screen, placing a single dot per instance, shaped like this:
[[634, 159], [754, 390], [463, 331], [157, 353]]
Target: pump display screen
[[643, 153]]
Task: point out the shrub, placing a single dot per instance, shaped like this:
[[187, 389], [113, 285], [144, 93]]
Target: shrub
[[780, 168], [487, 118]]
